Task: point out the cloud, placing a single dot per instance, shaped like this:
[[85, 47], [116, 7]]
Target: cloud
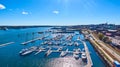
[[56, 12], [2, 7], [25, 13]]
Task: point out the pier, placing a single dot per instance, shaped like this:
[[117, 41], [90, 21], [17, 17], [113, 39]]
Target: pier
[[31, 41], [6, 44], [89, 61]]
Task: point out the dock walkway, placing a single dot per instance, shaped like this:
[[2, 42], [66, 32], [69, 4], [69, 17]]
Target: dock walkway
[[89, 60], [31, 41], [6, 44]]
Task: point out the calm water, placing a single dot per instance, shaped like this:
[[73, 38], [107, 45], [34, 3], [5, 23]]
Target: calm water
[[9, 55]]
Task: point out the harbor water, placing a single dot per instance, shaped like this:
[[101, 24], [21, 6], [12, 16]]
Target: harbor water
[[9, 54]]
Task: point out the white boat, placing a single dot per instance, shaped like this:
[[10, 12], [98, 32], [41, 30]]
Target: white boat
[[48, 52], [40, 50], [76, 53], [83, 50], [83, 56], [60, 49], [28, 51], [70, 44], [78, 38], [76, 56], [23, 50], [5, 28], [63, 53], [76, 44]]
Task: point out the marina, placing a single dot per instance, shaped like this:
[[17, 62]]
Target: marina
[[56, 40], [55, 46]]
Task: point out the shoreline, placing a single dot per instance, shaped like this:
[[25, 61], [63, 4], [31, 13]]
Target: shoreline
[[101, 56], [104, 57]]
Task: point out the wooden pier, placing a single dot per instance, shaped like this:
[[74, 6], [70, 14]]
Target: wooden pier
[[6, 44]]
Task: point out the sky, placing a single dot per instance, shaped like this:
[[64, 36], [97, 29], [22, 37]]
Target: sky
[[59, 12]]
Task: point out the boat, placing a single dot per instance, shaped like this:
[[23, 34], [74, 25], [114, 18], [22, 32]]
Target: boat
[[78, 38], [23, 50], [84, 57], [48, 52], [63, 53], [64, 44], [60, 49], [76, 53], [76, 56], [5, 28], [70, 44], [27, 51], [83, 50], [76, 44], [40, 50]]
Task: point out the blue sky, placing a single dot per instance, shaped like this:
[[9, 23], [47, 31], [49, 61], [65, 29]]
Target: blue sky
[[59, 12]]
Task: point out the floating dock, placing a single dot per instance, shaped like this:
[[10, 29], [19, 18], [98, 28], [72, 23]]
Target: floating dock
[[6, 44], [31, 41]]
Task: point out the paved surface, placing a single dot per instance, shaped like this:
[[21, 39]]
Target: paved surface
[[108, 49], [101, 49]]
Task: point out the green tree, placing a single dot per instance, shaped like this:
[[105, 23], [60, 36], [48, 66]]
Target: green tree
[[107, 40], [101, 36]]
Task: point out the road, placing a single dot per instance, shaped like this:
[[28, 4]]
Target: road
[[107, 48]]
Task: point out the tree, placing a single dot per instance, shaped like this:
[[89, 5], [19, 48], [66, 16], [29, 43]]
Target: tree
[[101, 36], [107, 40]]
